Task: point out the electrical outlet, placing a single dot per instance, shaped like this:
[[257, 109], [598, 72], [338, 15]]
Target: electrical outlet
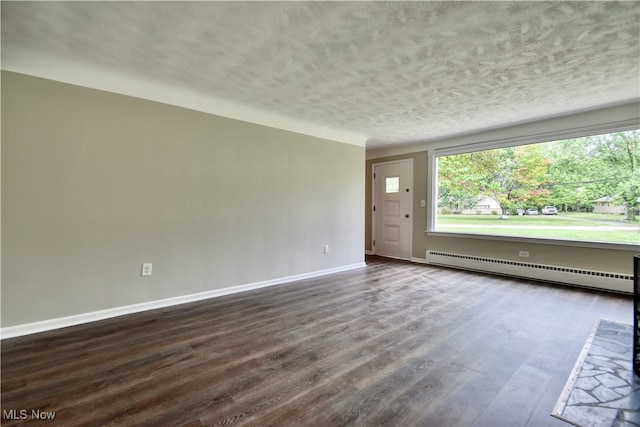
[[524, 254], [147, 268], [326, 249], [423, 203]]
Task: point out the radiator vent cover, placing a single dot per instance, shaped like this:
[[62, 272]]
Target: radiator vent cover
[[610, 281]]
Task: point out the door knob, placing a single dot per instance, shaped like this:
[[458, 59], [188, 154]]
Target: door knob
[[406, 215]]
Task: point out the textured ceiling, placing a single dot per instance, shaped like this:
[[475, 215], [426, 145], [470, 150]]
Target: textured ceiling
[[392, 72]]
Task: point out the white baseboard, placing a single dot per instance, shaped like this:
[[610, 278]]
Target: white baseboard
[[78, 319], [368, 252]]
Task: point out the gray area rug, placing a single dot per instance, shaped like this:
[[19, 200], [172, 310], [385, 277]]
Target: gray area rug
[[602, 389]]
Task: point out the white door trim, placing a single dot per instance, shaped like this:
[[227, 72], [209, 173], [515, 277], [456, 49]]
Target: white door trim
[[373, 203]]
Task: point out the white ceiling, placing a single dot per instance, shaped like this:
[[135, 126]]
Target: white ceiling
[[381, 72]]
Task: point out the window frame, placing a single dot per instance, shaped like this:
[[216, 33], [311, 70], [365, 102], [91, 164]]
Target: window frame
[[532, 138]]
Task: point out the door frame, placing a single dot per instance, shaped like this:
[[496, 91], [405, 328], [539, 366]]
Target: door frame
[[373, 203]]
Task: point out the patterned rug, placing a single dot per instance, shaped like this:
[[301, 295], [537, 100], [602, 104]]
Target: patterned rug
[[602, 389]]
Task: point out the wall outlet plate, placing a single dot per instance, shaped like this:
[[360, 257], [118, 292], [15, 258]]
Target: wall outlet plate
[[147, 268]]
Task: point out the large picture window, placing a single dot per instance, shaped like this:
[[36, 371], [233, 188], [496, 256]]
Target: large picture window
[[581, 189]]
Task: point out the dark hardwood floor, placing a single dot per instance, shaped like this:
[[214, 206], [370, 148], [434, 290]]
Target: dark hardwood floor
[[392, 344]]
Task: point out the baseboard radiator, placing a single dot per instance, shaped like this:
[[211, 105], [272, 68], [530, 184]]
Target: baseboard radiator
[[615, 282]]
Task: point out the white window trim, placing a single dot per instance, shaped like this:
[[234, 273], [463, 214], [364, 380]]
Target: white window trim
[[531, 138], [536, 240]]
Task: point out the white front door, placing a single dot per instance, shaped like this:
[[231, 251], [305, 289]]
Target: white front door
[[392, 208]]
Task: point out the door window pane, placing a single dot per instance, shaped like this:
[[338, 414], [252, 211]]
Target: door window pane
[[392, 184]]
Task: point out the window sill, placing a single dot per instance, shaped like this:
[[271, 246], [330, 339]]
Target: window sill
[[539, 241]]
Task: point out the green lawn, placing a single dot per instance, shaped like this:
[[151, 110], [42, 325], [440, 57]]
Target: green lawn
[[495, 220], [493, 224], [590, 236], [599, 217]]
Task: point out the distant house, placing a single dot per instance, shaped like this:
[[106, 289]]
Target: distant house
[[484, 206], [606, 205]]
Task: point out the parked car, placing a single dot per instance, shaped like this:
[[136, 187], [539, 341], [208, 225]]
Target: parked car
[[549, 210], [531, 211]]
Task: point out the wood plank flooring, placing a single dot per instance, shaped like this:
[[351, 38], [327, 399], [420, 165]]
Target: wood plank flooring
[[392, 344]]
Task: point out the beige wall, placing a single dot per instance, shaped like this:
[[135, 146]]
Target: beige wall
[[620, 261], [94, 184]]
